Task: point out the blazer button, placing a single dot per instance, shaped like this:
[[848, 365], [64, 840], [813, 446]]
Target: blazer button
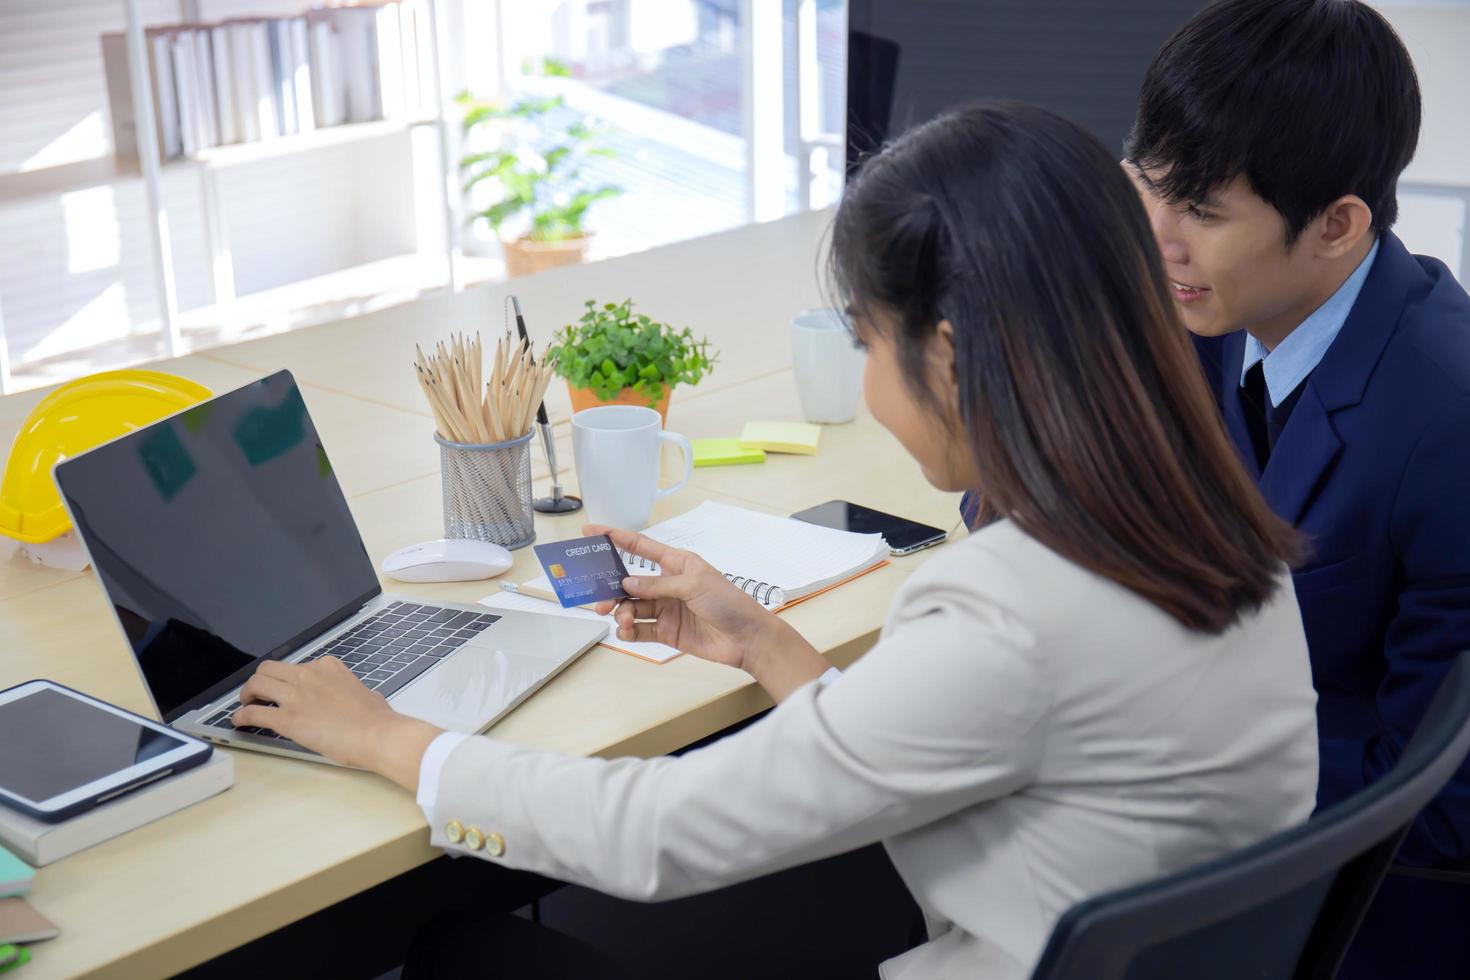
[[494, 844], [473, 839], [454, 831]]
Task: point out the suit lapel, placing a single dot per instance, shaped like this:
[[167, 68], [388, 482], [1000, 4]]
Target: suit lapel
[[1231, 355], [1342, 377], [1307, 447], [1309, 444]]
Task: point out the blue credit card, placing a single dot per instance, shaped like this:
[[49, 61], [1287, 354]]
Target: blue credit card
[[583, 570]]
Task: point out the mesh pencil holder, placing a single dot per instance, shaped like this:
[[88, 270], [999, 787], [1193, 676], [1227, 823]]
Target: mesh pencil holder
[[487, 491]]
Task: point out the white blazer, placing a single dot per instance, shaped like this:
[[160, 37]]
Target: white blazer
[[1024, 735]]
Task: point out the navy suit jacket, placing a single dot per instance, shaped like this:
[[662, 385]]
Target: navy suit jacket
[[1374, 467]]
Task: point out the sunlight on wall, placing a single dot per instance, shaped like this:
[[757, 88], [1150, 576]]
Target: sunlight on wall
[[105, 317], [93, 239], [85, 140]]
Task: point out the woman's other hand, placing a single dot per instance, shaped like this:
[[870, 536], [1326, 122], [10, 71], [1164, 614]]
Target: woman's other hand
[[696, 610]]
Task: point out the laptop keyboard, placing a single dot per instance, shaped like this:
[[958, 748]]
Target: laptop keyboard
[[387, 650]]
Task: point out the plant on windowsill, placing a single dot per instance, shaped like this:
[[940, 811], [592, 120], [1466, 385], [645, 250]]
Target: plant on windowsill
[[614, 356], [537, 170]]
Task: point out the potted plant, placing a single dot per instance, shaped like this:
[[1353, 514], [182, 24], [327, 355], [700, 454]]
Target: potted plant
[[537, 172], [614, 356]]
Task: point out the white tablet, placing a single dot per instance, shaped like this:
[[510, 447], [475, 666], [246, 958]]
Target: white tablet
[[62, 752]]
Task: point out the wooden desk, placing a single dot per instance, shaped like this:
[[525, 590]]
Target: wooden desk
[[291, 838]]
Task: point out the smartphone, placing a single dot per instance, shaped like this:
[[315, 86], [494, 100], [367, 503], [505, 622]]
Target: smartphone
[[904, 536]]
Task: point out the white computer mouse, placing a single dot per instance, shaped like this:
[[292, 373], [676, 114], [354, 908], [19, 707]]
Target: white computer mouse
[[447, 560]]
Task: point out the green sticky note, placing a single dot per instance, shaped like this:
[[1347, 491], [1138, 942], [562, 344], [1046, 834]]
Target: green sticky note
[[724, 452], [15, 874]]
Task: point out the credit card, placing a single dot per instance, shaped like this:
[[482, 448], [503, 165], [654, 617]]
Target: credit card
[[583, 570]]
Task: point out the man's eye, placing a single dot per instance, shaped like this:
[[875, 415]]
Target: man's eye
[[1198, 214]]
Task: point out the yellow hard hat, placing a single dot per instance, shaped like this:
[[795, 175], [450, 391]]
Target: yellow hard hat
[[69, 421]]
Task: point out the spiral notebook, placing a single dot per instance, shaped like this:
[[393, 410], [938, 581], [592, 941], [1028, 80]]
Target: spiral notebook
[[776, 560]]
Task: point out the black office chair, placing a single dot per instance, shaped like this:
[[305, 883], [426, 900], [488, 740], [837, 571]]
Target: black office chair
[[1284, 908]]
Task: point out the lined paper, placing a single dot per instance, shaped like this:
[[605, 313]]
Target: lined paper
[[796, 557]]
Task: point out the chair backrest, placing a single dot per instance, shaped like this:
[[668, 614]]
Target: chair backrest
[[1285, 907]]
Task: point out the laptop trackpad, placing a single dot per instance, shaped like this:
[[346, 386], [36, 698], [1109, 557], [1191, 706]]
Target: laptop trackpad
[[473, 686]]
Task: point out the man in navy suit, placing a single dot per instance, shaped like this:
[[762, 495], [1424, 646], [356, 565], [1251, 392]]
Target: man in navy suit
[[1268, 144]]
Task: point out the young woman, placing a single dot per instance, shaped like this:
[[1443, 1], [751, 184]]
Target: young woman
[[1058, 704]]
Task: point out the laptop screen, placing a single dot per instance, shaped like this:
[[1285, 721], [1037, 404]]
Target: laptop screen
[[221, 537]]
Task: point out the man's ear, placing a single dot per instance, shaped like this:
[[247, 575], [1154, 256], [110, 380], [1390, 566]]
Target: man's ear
[[1341, 227]]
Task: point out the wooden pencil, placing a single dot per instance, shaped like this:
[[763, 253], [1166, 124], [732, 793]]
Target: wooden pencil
[[492, 406], [436, 400], [541, 386], [440, 423], [477, 365]]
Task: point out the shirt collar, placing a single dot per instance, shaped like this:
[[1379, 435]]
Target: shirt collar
[[1302, 350]]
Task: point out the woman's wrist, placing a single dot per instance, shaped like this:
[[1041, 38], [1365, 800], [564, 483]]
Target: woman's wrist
[[781, 660], [397, 749]]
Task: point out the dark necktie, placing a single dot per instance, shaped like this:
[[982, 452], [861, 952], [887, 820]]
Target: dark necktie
[[1264, 420], [1255, 404]]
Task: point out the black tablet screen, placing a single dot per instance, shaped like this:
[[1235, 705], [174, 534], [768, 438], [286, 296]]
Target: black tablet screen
[[51, 743]]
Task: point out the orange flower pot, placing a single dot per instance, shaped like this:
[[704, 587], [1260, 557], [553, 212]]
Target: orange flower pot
[[584, 398], [524, 257]]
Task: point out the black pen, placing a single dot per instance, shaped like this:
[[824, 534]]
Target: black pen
[[526, 339], [558, 502]]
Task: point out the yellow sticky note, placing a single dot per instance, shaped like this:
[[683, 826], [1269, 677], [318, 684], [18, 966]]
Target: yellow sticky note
[[724, 452], [781, 437]]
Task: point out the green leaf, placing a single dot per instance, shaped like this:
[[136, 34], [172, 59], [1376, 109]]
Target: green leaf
[[498, 214], [612, 346]]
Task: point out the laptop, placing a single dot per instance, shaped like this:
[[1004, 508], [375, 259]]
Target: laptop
[[222, 538]]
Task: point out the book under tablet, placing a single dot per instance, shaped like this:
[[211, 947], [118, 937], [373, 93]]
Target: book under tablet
[[41, 843], [777, 561]]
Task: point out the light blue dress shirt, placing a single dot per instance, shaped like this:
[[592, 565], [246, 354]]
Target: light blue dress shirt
[[1296, 356]]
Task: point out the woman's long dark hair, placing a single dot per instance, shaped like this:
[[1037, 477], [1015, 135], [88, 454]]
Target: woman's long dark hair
[[1079, 391]]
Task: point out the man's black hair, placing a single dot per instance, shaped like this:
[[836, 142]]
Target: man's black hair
[[1309, 99]]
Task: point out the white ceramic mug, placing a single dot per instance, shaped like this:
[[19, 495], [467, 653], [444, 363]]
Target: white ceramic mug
[[617, 453], [829, 367]]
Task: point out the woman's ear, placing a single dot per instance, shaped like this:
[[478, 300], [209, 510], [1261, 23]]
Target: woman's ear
[[941, 352]]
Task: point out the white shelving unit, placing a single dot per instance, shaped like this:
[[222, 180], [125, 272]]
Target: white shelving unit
[[228, 316]]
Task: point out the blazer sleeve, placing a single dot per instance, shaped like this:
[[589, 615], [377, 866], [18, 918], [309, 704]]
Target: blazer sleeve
[[1431, 540], [946, 711]]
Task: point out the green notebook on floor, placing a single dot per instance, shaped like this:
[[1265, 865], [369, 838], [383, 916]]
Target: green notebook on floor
[[15, 875]]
